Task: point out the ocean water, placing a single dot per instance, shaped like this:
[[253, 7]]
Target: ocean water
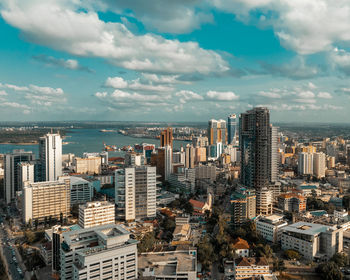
[[91, 140]]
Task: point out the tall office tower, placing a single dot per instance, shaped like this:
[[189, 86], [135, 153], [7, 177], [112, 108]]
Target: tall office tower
[[179, 157], [273, 159], [319, 165], [255, 144], [305, 163], [348, 154], [200, 141], [96, 213], [46, 200], [50, 152], [135, 192], [25, 173], [254, 128], [166, 137], [217, 132], [103, 252], [168, 161], [200, 155], [81, 190], [11, 171], [190, 155], [232, 130]]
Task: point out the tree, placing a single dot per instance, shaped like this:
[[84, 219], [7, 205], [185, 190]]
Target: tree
[[147, 242], [329, 271], [206, 254], [36, 223], [279, 265], [292, 255], [30, 236], [262, 250], [340, 259]]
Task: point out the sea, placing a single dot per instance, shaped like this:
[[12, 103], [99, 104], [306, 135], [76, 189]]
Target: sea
[[81, 140]]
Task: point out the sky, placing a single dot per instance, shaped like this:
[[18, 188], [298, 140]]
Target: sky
[[167, 60]]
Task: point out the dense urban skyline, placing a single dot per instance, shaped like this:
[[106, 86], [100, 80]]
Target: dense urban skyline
[[182, 60]]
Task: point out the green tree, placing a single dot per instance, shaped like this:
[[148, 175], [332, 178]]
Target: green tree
[[147, 242], [262, 250], [279, 265], [340, 259], [30, 236], [292, 254], [329, 271], [206, 254]]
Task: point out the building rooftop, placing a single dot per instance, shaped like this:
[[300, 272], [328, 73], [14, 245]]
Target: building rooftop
[[95, 204], [306, 228], [251, 261], [240, 243], [168, 263], [308, 187], [77, 180]]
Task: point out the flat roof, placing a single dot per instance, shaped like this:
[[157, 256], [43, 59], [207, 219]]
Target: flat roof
[[306, 228]]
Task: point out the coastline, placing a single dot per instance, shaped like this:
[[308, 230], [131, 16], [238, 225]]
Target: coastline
[[20, 143]]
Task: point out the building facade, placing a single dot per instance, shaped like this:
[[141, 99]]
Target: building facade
[[50, 153], [96, 213], [217, 132], [232, 130]]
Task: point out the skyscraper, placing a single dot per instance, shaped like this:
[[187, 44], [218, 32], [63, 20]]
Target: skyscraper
[[50, 152], [168, 161], [305, 163], [190, 155], [166, 137], [135, 192], [255, 143], [217, 132], [11, 171], [319, 165], [273, 159], [231, 129]]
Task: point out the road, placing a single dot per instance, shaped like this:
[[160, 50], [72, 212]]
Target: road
[[8, 249]]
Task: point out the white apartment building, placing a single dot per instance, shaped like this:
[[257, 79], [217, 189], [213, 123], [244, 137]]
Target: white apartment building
[[168, 164], [135, 192], [96, 213], [305, 163], [271, 227], [89, 165], [264, 201], [45, 200], [313, 241], [50, 151], [319, 167], [103, 252], [25, 173]]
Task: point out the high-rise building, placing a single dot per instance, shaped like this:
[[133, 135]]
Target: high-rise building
[[134, 159], [190, 156], [166, 137], [103, 252], [264, 201], [81, 190], [243, 203], [25, 173], [305, 163], [96, 213], [232, 129], [46, 200], [168, 161], [255, 144], [88, 165], [273, 159], [50, 152], [217, 132], [135, 192], [348, 154], [11, 172], [200, 141], [319, 165], [200, 155]]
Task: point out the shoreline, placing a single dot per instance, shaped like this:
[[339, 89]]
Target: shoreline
[[20, 143]]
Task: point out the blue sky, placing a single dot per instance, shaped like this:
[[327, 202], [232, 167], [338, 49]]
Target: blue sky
[[184, 60]]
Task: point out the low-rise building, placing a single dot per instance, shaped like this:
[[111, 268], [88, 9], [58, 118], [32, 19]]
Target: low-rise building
[[169, 265], [313, 241], [247, 268], [81, 190], [270, 227], [241, 247], [96, 213], [292, 202], [182, 232]]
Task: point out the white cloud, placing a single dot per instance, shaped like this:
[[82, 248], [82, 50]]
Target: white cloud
[[14, 105], [269, 94], [3, 93], [222, 95], [71, 64], [16, 88], [120, 83], [186, 95], [62, 26], [324, 95], [46, 90], [163, 79], [306, 94]]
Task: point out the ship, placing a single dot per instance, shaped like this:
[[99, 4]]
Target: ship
[[107, 130], [110, 148]]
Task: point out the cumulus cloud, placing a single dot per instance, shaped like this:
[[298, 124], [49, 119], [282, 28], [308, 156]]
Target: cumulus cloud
[[222, 95], [64, 26], [163, 79], [269, 94], [14, 105], [71, 64], [340, 60], [186, 95], [120, 83], [324, 95], [3, 93]]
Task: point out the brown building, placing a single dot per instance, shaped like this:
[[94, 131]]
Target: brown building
[[166, 137]]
